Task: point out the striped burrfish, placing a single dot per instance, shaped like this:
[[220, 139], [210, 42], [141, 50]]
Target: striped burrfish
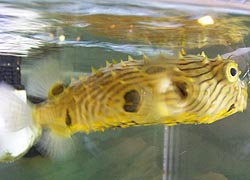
[[191, 89]]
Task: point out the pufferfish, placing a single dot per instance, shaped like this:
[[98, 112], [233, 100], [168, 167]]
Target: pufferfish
[[191, 89]]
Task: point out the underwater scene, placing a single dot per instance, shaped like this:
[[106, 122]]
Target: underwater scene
[[125, 90]]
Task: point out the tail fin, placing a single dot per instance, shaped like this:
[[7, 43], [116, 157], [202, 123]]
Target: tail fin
[[17, 131]]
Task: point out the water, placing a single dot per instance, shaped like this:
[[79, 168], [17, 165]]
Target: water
[[88, 33]]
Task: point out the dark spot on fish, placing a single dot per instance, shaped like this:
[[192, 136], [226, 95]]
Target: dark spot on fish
[[68, 119], [58, 89], [231, 107], [155, 70], [132, 101], [181, 88]]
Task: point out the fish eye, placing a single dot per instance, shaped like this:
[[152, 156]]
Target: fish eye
[[232, 71]]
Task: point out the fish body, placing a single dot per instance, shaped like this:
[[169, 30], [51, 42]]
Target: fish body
[[187, 90]]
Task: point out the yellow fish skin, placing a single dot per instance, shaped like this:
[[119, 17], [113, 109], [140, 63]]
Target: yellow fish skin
[[188, 90]]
